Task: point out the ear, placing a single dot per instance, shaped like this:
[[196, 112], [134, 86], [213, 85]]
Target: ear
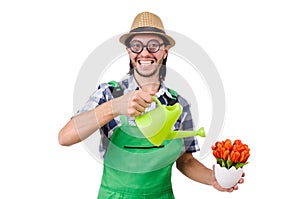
[[166, 50], [128, 51]]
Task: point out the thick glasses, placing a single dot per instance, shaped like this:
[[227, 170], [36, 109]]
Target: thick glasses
[[152, 46]]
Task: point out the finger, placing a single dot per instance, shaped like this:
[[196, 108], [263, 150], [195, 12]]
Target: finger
[[241, 180], [226, 189], [135, 98], [139, 108], [141, 102], [138, 103], [146, 97], [152, 93], [235, 187], [135, 110], [230, 190], [133, 113]]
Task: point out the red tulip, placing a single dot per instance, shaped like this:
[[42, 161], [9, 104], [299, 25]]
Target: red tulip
[[234, 156], [237, 152], [225, 154], [227, 144], [244, 156]]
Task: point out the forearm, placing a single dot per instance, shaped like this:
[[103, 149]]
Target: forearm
[[194, 169], [83, 125]]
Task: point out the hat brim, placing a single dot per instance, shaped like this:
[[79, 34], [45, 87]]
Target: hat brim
[[124, 37]]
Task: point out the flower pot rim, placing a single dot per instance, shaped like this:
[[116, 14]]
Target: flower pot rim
[[231, 168]]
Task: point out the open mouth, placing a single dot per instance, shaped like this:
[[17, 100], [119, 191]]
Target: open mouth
[[143, 62]]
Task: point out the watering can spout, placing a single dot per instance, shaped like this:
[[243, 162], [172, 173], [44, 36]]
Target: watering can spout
[[183, 134]]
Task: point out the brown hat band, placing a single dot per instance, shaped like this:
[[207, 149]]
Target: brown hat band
[[146, 29]]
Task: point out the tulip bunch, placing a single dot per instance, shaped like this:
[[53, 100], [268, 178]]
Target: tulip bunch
[[228, 154]]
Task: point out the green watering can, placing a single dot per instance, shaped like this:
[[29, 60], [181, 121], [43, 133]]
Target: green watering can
[[156, 125]]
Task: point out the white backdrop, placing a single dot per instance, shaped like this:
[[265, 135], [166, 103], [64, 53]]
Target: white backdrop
[[253, 44]]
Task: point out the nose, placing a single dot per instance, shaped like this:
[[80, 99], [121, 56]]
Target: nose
[[144, 52]]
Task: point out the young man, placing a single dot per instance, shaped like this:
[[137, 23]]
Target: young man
[[133, 167]]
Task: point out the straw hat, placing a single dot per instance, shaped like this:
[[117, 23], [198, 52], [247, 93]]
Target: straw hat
[[145, 23]]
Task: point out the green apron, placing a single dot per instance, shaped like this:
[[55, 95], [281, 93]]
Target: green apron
[[136, 169]]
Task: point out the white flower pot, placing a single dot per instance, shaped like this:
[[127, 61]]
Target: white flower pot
[[227, 178]]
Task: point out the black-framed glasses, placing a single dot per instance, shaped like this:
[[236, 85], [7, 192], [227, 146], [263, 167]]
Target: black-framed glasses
[[152, 46]]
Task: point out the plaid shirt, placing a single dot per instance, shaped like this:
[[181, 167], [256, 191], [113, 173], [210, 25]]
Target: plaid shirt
[[128, 84]]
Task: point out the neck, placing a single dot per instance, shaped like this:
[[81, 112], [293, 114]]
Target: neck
[[147, 84]]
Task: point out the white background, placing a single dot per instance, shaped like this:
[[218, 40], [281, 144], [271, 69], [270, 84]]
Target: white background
[[255, 46]]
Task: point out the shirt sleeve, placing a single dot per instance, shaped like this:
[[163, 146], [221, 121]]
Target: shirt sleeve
[[190, 143], [101, 95]]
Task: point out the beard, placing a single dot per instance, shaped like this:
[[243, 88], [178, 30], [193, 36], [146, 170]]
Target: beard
[[155, 71]]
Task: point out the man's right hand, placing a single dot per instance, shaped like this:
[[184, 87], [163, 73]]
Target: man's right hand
[[132, 104]]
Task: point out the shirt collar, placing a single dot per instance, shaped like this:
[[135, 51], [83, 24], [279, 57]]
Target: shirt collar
[[133, 85]]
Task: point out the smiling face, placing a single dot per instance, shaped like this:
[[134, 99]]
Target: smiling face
[[145, 63]]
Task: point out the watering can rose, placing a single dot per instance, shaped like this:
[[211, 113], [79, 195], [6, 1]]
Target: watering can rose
[[229, 155]]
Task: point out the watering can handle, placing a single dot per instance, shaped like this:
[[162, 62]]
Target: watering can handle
[[156, 100]]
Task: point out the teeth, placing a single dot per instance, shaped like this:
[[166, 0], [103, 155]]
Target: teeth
[[145, 62]]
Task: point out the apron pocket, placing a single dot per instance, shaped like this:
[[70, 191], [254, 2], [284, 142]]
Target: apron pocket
[[143, 147]]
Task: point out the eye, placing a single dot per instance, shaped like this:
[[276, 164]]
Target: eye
[[136, 46], [153, 45]]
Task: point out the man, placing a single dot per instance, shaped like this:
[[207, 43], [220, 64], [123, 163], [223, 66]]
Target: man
[[133, 167]]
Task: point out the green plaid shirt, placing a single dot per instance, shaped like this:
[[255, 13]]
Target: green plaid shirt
[[128, 84]]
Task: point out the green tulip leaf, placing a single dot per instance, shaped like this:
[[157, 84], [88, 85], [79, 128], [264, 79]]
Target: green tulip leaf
[[240, 164]]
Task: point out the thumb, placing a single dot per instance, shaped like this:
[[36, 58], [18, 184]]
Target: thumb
[[213, 169], [152, 93]]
